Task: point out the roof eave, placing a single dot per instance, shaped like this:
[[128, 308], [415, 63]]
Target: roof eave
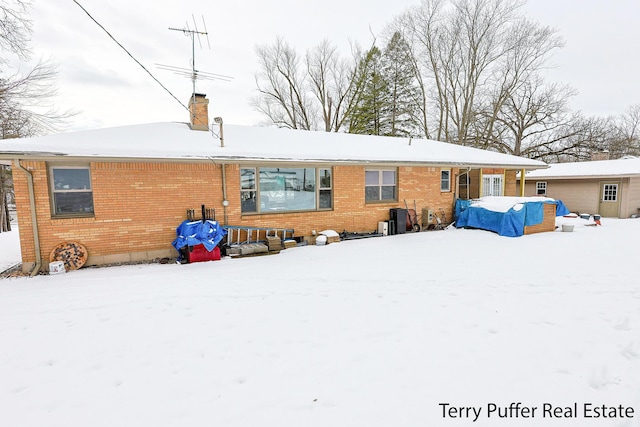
[[57, 156]]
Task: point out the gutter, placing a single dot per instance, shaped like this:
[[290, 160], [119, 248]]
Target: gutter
[[34, 223]]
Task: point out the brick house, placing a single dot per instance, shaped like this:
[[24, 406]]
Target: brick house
[[609, 188], [122, 191]]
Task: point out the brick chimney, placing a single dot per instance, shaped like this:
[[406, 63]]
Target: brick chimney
[[199, 111], [600, 155]]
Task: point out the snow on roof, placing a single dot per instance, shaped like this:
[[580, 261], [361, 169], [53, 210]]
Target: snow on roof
[[176, 141], [598, 168]]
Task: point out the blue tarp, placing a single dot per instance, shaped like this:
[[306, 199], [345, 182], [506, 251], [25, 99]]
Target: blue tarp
[[510, 223], [191, 233]]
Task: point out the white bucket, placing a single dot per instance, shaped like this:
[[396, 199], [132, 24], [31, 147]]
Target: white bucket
[[567, 228]]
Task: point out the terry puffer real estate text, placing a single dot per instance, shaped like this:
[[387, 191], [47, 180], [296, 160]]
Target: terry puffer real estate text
[[585, 410]]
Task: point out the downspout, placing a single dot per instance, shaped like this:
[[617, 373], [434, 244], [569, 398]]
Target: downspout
[[225, 202], [34, 223]]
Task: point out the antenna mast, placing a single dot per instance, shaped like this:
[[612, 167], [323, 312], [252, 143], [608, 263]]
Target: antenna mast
[[193, 33]]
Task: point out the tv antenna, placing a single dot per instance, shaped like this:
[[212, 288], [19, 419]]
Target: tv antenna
[[193, 73]]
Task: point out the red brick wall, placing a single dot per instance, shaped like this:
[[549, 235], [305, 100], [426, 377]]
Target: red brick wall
[[548, 221], [350, 211], [139, 205]]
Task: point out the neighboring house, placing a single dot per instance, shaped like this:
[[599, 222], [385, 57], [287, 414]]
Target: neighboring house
[[121, 192], [609, 188]]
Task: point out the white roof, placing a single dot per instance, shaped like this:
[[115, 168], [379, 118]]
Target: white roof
[[598, 168], [176, 141]]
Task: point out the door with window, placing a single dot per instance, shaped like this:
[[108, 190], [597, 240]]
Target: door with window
[[492, 185], [610, 199]]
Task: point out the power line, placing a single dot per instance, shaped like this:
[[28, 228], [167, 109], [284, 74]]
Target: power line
[[129, 53]]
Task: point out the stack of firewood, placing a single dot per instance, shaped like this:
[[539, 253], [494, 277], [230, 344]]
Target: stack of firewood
[[274, 243], [290, 244]]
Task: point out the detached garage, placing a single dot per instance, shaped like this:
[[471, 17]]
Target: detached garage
[[609, 188]]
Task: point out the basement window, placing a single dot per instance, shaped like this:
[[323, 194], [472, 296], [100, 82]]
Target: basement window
[[71, 191]]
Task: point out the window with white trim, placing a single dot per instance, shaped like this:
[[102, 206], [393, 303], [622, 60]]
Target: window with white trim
[[445, 180], [492, 185], [380, 185], [71, 191], [541, 188], [274, 189]]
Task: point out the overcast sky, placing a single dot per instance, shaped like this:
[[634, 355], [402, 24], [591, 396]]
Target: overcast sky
[[107, 88]]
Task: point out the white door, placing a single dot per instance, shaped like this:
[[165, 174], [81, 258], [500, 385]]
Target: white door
[[492, 185]]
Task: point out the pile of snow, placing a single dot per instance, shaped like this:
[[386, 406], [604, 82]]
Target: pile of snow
[[576, 221], [504, 203], [329, 233], [10, 248], [374, 332]]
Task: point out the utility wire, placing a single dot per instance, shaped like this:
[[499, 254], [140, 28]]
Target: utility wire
[[129, 53]]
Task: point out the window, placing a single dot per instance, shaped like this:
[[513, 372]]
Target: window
[[71, 190], [325, 189], [541, 188], [380, 185], [248, 190], [491, 185], [610, 193], [445, 180], [271, 189]]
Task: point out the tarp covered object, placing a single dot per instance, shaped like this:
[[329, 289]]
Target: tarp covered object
[[191, 233], [508, 223]]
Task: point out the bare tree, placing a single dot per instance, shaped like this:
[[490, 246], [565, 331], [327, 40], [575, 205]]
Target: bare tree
[[575, 141], [26, 107], [317, 92], [472, 54], [333, 81], [533, 121], [624, 137], [15, 27], [527, 48], [283, 97]]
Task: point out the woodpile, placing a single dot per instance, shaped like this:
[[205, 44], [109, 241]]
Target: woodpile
[[290, 244], [274, 243], [333, 239]]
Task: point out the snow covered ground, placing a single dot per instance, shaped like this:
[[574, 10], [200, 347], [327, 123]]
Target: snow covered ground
[[373, 332], [10, 247]]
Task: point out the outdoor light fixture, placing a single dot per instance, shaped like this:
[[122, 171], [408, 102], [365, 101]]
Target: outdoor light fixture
[[218, 120]]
